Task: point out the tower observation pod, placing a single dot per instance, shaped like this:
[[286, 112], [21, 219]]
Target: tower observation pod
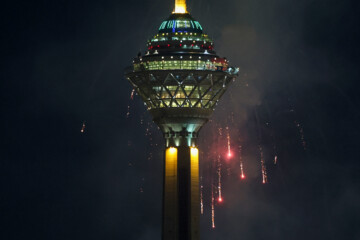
[[180, 79]]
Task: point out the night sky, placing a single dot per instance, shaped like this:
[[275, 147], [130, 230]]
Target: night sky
[[62, 64]]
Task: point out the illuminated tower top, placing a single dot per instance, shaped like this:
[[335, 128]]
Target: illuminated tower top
[[180, 6], [180, 77]]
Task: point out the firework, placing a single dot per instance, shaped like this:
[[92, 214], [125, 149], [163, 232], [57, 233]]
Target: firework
[[132, 94], [201, 197], [242, 174], [212, 209], [219, 180], [263, 166], [301, 133], [83, 128], [228, 142]]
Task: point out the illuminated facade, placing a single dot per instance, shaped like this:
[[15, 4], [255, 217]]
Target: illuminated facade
[[180, 79]]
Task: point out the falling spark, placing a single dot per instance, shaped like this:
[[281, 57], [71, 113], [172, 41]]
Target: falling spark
[[242, 174], [83, 128], [132, 94], [263, 167], [220, 131], [201, 197], [301, 132], [212, 209], [219, 180], [242, 170], [128, 112], [228, 142], [275, 160]]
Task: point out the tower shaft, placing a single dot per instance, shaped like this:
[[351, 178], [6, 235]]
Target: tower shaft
[[181, 198]]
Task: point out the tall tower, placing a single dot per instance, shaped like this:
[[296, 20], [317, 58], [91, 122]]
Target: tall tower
[[180, 79]]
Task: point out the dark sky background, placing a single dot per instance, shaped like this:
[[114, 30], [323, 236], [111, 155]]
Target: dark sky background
[[62, 64]]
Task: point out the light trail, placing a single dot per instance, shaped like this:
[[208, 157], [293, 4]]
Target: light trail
[[242, 174], [263, 166], [132, 94], [219, 180], [228, 142], [220, 131], [212, 208], [275, 160], [128, 111], [83, 127], [301, 132], [201, 197]]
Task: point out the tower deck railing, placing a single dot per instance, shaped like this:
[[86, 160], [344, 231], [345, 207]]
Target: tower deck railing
[[179, 66]]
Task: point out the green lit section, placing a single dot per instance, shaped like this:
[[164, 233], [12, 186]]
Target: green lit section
[[179, 65], [181, 36], [180, 25], [198, 25], [162, 26]]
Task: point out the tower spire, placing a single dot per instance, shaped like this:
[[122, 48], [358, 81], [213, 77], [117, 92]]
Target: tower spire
[[180, 6]]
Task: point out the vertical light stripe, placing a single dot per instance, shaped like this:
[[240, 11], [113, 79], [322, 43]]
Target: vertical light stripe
[[195, 192], [170, 193]]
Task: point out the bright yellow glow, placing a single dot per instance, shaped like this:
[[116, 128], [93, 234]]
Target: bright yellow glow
[[170, 188], [194, 168], [194, 152], [180, 6], [171, 162], [172, 150], [195, 190]]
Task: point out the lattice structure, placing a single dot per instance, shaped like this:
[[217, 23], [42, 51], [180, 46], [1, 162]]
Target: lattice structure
[[184, 89]]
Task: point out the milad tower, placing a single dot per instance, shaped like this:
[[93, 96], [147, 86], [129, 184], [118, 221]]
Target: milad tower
[[180, 79]]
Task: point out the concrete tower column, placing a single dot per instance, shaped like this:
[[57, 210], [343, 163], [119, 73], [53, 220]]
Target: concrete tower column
[[181, 198]]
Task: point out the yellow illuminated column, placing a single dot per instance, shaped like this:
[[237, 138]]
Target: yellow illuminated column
[[180, 6], [170, 219], [195, 193]]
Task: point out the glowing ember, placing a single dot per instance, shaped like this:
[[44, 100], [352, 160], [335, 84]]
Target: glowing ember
[[301, 133], [242, 176], [228, 142], [201, 197], [263, 167], [83, 128], [219, 178], [132, 94], [212, 209]]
